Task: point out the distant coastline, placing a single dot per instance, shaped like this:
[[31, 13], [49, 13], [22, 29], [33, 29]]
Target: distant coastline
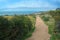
[[17, 12]]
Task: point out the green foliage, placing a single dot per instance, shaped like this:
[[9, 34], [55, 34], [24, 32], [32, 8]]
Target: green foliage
[[17, 28], [45, 18], [56, 31], [52, 19], [3, 27]]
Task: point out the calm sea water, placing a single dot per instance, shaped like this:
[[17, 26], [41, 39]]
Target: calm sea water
[[17, 12]]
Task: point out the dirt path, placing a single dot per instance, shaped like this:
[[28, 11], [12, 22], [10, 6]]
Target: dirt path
[[41, 31]]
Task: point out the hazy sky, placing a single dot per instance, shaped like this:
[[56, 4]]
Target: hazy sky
[[43, 4]]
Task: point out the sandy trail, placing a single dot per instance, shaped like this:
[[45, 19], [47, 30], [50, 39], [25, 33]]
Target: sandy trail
[[41, 31]]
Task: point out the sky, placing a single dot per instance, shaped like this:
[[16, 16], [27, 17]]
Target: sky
[[29, 4]]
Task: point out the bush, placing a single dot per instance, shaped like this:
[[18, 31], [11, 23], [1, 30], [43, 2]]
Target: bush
[[45, 18], [17, 28]]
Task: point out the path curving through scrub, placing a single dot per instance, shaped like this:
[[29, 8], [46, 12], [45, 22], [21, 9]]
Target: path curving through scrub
[[41, 31]]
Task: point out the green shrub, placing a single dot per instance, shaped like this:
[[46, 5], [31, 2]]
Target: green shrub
[[17, 28], [45, 18]]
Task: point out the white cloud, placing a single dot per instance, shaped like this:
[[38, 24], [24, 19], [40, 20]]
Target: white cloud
[[3, 0], [55, 0], [44, 5], [30, 4]]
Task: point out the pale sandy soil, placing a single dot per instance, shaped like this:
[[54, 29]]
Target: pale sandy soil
[[41, 31]]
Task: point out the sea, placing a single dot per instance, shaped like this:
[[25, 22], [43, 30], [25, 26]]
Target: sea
[[17, 12]]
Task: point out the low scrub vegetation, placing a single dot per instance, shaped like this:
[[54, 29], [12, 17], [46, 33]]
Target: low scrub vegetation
[[16, 27], [56, 15], [52, 19]]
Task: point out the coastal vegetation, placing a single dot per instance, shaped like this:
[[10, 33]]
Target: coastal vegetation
[[52, 19], [16, 27], [20, 27]]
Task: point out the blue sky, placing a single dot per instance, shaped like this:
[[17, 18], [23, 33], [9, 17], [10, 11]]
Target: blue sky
[[40, 4]]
